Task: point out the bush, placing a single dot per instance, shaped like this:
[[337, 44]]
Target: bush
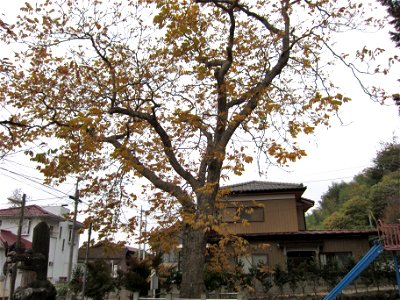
[[135, 279], [62, 290], [99, 280], [214, 280], [264, 276], [175, 277], [280, 278], [330, 273], [76, 283]]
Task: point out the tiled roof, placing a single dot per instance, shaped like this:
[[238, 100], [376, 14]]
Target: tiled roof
[[106, 251], [131, 249], [263, 186], [29, 212], [312, 234], [309, 203], [8, 238]]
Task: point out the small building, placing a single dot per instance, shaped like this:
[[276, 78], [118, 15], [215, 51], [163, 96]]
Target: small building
[[60, 237], [116, 256]]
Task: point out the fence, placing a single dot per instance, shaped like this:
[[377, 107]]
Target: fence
[[222, 296], [389, 234]]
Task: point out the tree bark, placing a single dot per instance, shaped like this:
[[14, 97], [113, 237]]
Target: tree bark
[[193, 261]]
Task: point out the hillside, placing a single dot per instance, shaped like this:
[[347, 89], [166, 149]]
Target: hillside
[[371, 195]]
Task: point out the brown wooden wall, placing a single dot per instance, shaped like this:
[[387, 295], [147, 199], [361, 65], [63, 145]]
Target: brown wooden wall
[[358, 246], [280, 214], [300, 218]]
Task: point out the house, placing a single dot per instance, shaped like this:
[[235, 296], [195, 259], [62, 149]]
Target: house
[[270, 216], [60, 236], [273, 214], [115, 255]]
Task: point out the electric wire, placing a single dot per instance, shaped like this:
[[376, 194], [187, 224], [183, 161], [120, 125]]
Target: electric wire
[[329, 179], [34, 180]]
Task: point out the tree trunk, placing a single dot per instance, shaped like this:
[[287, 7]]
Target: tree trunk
[[193, 261]]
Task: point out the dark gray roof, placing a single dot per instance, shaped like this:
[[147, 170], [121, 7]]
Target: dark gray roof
[[263, 186], [309, 234]]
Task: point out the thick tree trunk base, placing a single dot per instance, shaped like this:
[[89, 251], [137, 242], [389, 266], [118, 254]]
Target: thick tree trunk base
[[193, 261]]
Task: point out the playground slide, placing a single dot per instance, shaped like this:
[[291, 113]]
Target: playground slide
[[372, 254]]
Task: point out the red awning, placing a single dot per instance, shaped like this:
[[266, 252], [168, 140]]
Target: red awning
[[8, 238]]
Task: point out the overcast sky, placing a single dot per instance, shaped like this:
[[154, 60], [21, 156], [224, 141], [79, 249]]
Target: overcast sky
[[334, 154]]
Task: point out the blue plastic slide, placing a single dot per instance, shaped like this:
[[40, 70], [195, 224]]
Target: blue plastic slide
[[372, 254]]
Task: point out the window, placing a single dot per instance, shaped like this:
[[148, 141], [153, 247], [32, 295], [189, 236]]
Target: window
[[26, 227], [115, 269], [250, 214], [70, 235], [51, 230], [341, 258], [245, 262], [253, 261], [259, 259], [296, 258], [63, 245], [171, 257], [60, 233], [1, 222]]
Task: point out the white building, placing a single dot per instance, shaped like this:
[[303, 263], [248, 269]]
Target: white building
[[60, 237]]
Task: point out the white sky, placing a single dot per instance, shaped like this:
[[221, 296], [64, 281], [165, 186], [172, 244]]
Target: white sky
[[334, 154]]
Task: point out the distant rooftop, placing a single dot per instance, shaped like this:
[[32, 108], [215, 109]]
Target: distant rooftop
[[30, 211], [106, 251], [263, 186]]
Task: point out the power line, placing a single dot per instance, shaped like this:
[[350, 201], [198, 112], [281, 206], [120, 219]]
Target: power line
[[46, 199], [330, 179], [26, 183], [36, 179], [32, 177], [29, 178], [19, 151], [40, 147], [337, 170], [326, 172]]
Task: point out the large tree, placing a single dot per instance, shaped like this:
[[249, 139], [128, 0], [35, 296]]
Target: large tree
[[393, 9], [171, 91]]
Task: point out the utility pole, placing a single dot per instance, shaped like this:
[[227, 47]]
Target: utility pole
[[71, 248], [17, 245], [145, 230], [86, 262], [140, 233]]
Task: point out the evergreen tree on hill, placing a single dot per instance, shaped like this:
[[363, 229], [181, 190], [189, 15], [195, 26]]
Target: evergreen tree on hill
[[393, 9], [371, 195]]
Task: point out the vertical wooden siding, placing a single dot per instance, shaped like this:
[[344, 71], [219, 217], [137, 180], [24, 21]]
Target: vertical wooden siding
[[280, 215]]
